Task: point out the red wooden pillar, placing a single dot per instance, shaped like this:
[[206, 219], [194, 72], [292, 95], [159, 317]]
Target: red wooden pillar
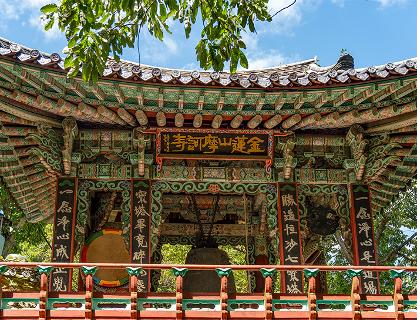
[[89, 273], [290, 240], [43, 291], [140, 235], [63, 238], [364, 246], [311, 275], [398, 293], [355, 298], [224, 273], [179, 274], [134, 273], [268, 274]]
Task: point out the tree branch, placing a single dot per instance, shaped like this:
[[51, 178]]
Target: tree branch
[[285, 8], [345, 251], [379, 231], [399, 247]]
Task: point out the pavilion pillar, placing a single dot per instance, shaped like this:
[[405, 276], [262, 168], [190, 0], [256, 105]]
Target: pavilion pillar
[[140, 235], [364, 246], [290, 239], [260, 258], [63, 237]]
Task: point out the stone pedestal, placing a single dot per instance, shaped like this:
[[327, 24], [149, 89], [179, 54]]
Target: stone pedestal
[[202, 280]]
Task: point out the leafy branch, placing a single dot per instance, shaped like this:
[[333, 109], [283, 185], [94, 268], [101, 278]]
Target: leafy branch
[[96, 29]]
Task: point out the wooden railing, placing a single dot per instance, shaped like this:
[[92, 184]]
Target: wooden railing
[[131, 304]]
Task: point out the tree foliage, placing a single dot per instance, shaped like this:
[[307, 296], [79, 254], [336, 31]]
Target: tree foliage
[[31, 240], [95, 28]]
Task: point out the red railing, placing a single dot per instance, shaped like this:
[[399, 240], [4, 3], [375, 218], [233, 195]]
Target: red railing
[[87, 304]]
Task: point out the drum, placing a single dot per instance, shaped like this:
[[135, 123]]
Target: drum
[[107, 245]]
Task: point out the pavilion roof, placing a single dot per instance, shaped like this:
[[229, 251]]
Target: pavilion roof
[[301, 98]]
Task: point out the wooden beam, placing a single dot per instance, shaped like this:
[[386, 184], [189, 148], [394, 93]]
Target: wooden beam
[[341, 98], [161, 120], [217, 121], [198, 120], [142, 117], [291, 121], [279, 102], [309, 120], [255, 121], [126, 116], [273, 121], [362, 96], [383, 92], [53, 83], [92, 113], [405, 120], [179, 120], [33, 117], [7, 75], [110, 115], [77, 88], [98, 92], [236, 121], [118, 92]]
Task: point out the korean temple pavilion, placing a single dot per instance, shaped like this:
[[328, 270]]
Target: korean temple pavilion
[[277, 160]]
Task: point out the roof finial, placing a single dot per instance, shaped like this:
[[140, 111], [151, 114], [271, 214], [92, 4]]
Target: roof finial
[[345, 61]]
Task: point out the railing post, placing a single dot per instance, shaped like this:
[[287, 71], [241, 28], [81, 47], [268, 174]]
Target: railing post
[[223, 273], [89, 272], [43, 291], [179, 274], [355, 297], [268, 274], [134, 273], [311, 275], [398, 293], [3, 270]]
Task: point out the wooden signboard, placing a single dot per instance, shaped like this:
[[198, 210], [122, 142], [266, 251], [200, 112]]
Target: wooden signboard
[[63, 239], [363, 237], [214, 144], [139, 230], [290, 240]]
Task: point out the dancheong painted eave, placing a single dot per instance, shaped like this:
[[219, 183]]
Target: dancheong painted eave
[[372, 111]]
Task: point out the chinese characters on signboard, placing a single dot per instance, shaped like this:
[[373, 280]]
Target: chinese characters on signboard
[[214, 144], [290, 238], [362, 219], [63, 234], [140, 242]]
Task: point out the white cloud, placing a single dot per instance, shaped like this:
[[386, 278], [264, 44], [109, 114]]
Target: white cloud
[[171, 45], [39, 23], [339, 3], [387, 3], [25, 9], [259, 58]]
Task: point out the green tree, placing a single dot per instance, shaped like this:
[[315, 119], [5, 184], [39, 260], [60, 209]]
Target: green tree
[[95, 28], [32, 240]]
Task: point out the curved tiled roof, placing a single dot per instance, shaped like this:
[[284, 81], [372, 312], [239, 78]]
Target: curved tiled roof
[[301, 74], [372, 110]]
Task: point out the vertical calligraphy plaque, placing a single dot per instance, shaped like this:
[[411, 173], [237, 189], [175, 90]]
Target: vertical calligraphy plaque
[[290, 240], [63, 239], [363, 236], [139, 230]]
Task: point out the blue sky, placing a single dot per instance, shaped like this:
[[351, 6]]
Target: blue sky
[[373, 31]]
